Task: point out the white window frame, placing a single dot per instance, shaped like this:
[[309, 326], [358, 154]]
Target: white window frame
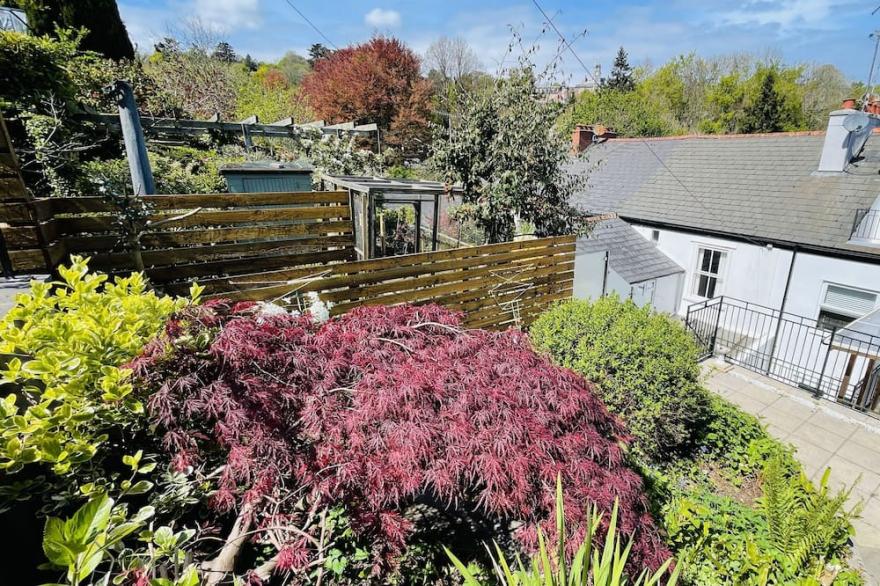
[[720, 276]]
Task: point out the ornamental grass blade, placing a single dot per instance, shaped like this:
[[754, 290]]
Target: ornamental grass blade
[[545, 559], [469, 579], [560, 531], [502, 567]]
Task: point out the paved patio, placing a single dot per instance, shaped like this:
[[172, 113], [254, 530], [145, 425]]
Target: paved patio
[[10, 287], [826, 435]]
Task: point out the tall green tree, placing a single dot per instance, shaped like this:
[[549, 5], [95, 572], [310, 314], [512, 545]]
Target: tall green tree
[[317, 52], [764, 113], [622, 78], [511, 160], [627, 113], [225, 53], [106, 33], [294, 66]]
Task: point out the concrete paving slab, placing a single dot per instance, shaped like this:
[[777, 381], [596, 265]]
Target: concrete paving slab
[[832, 422], [867, 438], [749, 405], [796, 410], [846, 474], [822, 438], [863, 456], [780, 419], [871, 516]]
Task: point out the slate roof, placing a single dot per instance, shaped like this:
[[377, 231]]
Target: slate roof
[[630, 254], [760, 186]]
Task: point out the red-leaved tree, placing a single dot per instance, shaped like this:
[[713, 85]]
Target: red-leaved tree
[[379, 81], [375, 411]]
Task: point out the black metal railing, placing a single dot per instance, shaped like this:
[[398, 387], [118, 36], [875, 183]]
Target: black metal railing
[[866, 225], [833, 363]]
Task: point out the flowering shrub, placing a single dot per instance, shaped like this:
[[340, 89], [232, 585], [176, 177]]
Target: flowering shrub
[[378, 410]]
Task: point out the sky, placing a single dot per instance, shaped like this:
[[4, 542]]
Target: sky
[[799, 31]]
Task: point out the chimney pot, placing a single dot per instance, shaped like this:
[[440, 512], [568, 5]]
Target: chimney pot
[[586, 134]]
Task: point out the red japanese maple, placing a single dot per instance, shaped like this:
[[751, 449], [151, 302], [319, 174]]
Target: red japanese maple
[[379, 408], [378, 81]]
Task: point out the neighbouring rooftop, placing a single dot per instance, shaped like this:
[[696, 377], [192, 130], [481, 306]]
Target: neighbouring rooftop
[[630, 255], [753, 186]]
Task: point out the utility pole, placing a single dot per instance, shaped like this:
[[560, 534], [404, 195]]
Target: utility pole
[[876, 36], [133, 137]]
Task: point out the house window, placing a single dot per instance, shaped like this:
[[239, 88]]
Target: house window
[[841, 305], [655, 235], [707, 279], [829, 320]]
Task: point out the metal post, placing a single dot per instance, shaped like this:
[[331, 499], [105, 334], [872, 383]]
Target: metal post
[[418, 207], [717, 323], [133, 137], [819, 392], [781, 310], [436, 220], [605, 276]]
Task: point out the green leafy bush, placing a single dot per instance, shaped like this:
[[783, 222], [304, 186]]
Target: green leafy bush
[[737, 442], [790, 535], [643, 364], [175, 170], [65, 342]]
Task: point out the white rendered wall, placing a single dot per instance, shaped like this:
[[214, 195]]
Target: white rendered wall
[[750, 272]]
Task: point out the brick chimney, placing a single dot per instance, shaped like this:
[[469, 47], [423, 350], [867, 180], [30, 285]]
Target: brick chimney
[[586, 134]]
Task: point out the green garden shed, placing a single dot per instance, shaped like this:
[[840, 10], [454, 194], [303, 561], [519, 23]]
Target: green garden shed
[[268, 176]]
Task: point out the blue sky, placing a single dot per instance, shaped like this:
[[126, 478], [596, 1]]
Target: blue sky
[[808, 31]]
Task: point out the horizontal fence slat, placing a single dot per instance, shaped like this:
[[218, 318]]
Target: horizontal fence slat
[[208, 253], [471, 251], [480, 283], [496, 286], [11, 188], [421, 263], [230, 267], [211, 236], [73, 205], [74, 225], [23, 237], [494, 271], [25, 212]]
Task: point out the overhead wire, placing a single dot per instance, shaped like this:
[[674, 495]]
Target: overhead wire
[[562, 37], [312, 24]]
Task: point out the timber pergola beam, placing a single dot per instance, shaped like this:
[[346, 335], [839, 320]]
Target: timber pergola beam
[[286, 127]]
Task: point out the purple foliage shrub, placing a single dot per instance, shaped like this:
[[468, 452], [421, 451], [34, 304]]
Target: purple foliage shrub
[[378, 408]]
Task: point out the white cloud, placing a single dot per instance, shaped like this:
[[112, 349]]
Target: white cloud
[[787, 15], [381, 18], [228, 15]]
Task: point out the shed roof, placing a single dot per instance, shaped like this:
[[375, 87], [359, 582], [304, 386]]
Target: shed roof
[[630, 254], [368, 184], [763, 187], [300, 166], [861, 336]]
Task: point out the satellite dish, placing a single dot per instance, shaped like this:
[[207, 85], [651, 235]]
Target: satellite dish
[[856, 121]]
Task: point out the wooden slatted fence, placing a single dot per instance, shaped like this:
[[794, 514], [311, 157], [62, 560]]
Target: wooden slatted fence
[[496, 285], [200, 236]]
